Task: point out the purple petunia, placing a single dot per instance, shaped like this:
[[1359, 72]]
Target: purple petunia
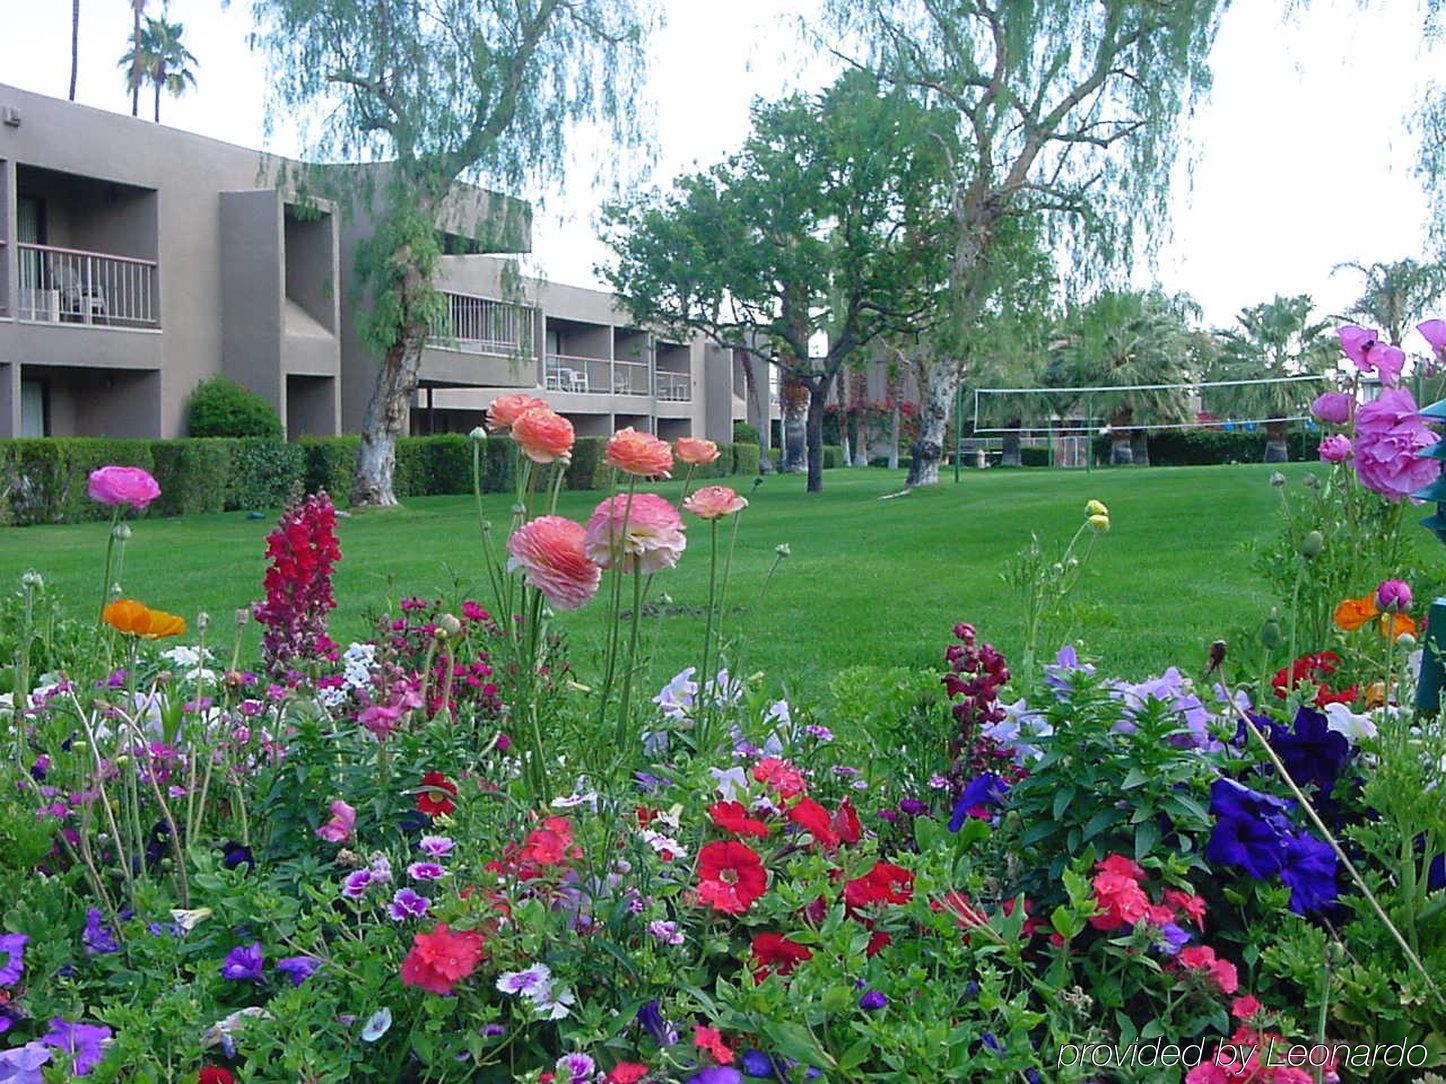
[[356, 884], [1309, 872], [12, 957], [84, 1042], [426, 871], [23, 1064], [97, 938], [716, 1074], [244, 963], [408, 903], [979, 793], [1172, 939], [873, 1001], [298, 968], [436, 846]]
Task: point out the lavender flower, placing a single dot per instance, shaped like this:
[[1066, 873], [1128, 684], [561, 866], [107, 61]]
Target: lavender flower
[[299, 968], [97, 938], [666, 932], [408, 903], [436, 846], [22, 1065], [528, 982], [84, 1042], [12, 957], [377, 1025], [426, 871]]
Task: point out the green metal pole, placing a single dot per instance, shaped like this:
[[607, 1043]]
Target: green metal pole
[[958, 427], [1089, 434]]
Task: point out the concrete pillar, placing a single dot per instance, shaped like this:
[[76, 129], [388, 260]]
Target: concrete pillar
[[10, 399]]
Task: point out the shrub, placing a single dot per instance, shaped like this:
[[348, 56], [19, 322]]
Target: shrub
[[743, 433], [46, 477], [1034, 457], [745, 458], [222, 408], [192, 474], [588, 470], [330, 464], [832, 456], [497, 466], [1206, 447], [264, 474], [428, 466]]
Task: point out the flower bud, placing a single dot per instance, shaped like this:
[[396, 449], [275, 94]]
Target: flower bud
[[1277, 480], [203, 621], [782, 549], [1270, 635], [1312, 545], [121, 532], [1311, 481], [1096, 508], [1100, 523], [477, 435], [32, 580], [449, 624], [1406, 641]]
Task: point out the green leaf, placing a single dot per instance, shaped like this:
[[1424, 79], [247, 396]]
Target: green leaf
[[1062, 799], [1147, 834], [797, 1042], [1099, 822]]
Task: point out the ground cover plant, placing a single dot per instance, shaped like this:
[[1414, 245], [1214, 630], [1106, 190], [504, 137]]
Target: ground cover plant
[[445, 848]]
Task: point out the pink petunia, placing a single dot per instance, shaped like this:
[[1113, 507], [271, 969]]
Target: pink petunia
[[642, 530], [551, 552]]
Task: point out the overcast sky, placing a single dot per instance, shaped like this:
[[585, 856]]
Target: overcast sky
[[1302, 158]]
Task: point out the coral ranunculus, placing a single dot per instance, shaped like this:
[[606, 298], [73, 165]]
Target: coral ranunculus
[[441, 959], [543, 435], [122, 485], [730, 877], [138, 619], [549, 550], [714, 502], [506, 409], [696, 452], [641, 529], [640, 453]]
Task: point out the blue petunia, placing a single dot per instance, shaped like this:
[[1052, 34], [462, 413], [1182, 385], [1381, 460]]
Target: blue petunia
[[1310, 873], [981, 792], [1310, 750]]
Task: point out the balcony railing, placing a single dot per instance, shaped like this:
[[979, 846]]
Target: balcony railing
[[674, 387], [596, 376], [70, 286], [484, 325]]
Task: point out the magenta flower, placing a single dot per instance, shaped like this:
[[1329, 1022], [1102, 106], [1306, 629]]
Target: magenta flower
[[122, 485], [1365, 349], [1393, 595], [342, 824], [1389, 433], [302, 550], [1434, 332], [1333, 408], [426, 871], [1335, 448], [356, 884]]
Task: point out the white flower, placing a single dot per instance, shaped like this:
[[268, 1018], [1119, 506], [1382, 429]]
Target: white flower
[[675, 699], [377, 1026], [1347, 723], [663, 844], [729, 781]]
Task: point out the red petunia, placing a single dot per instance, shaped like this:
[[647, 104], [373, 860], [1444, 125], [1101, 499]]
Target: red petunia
[[435, 797], [733, 817], [1313, 670], [711, 1040], [1121, 900], [1202, 958], [215, 1074], [846, 823], [730, 877], [884, 883], [878, 941], [814, 819], [441, 959], [775, 954], [780, 775], [1122, 866], [1193, 906], [627, 1072], [551, 844]]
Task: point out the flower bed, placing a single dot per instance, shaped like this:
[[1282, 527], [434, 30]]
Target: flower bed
[[444, 853]]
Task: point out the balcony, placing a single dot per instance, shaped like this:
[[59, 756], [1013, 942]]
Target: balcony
[[73, 286], [596, 376], [674, 387], [484, 325]]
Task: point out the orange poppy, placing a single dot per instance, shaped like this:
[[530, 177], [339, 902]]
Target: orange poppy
[[1396, 625], [1355, 612], [138, 619]]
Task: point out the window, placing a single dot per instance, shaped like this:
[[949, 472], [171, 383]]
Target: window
[[34, 417]]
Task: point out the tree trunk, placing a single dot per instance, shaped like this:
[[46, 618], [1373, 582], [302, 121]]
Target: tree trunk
[[1011, 456], [861, 444], [1140, 448], [936, 398], [387, 417], [136, 6], [757, 399], [1121, 452], [895, 422], [74, 45], [795, 451], [158, 101], [817, 403], [1277, 450]]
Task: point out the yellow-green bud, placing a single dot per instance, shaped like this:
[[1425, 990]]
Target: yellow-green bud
[[1312, 545]]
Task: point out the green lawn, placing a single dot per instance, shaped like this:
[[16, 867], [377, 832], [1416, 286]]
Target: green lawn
[[868, 580]]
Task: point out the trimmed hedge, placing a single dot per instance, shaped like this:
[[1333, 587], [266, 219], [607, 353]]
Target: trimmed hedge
[[832, 456], [44, 480], [745, 458], [744, 433], [1208, 447], [220, 407]]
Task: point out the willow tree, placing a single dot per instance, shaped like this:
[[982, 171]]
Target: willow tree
[[1278, 338], [1065, 109], [444, 93], [1123, 345], [824, 227]]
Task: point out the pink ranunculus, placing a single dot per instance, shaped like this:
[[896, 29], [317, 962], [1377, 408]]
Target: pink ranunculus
[[342, 824], [1369, 354], [1434, 332], [1335, 448], [123, 485], [506, 409], [1393, 595], [696, 452], [714, 502], [648, 533], [549, 550], [1333, 408], [1388, 361], [640, 453], [1389, 433], [543, 435]]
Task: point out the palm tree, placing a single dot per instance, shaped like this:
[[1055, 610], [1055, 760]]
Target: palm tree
[[1119, 340], [74, 44], [163, 60], [1277, 338], [135, 74], [1396, 295]]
